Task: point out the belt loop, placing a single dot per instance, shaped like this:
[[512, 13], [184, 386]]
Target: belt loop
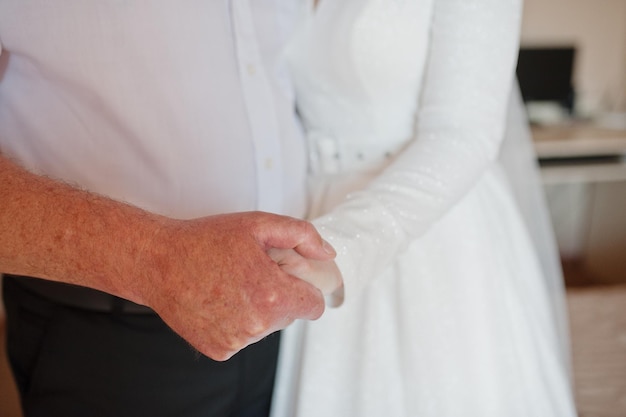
[[325, 154]]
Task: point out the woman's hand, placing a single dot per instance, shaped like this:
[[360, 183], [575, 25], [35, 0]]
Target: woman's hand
[[323, 274]]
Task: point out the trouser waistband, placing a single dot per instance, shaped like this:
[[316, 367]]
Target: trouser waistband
[[78, 297]]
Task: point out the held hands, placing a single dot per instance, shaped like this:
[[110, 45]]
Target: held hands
[[213, 282], [323, 274], [211, 279]]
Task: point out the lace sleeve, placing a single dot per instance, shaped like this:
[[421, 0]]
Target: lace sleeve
[[459, 126]]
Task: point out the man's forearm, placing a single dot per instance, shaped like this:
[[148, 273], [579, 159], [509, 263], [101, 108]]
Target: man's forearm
[[210, 278], [52, 230]]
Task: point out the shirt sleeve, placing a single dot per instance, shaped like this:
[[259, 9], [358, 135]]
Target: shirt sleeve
[[459, 127]]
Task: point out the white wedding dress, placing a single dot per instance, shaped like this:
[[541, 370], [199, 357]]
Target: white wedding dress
[[447, 311]]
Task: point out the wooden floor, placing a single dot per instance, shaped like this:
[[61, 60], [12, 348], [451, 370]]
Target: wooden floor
[[598, 334]]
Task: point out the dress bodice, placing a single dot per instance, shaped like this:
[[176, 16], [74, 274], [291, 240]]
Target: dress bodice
[[405, 100], [357, 67]]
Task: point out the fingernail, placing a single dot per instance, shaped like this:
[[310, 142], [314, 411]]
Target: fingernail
[[328, 248]]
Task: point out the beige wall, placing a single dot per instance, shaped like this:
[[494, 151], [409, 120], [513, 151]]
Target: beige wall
[[598, 28]]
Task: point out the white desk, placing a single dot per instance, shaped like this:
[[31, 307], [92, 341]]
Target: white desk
[[583, 168], [579, 152]]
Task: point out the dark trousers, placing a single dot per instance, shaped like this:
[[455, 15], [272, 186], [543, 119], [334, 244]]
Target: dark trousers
[[72, 362]]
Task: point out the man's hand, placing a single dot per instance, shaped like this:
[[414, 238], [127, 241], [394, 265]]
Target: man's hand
[[213, 282]]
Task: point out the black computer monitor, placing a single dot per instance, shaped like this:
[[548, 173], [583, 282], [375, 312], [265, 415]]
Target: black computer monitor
[[545, 74]]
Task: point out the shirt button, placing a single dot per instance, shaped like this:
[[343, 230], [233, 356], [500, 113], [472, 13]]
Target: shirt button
[[251, 69], [269, 163]]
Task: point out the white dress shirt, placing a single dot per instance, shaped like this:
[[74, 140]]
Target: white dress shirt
[[182, 108]]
